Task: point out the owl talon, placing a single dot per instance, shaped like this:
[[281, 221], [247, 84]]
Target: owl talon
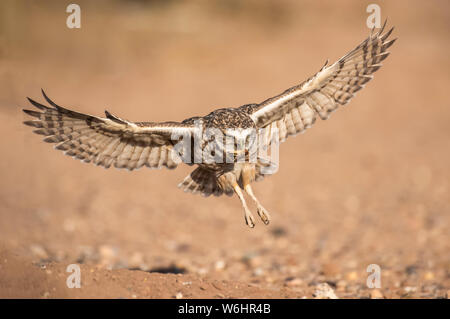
[[264, 215], [249, 219]]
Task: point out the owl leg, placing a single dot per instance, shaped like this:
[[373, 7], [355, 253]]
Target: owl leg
[[262, 212], [249, 219]]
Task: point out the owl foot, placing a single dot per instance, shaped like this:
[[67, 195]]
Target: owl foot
[[264, 215], [249, 219]]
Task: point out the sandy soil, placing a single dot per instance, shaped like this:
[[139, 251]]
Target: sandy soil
[[369, 186]]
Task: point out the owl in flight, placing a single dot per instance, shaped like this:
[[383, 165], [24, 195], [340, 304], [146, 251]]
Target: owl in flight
[[110, 140]]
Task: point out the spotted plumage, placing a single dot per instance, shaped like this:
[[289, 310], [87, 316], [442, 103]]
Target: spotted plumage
[[112, 141]]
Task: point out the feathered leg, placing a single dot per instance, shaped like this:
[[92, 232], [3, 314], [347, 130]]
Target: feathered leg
[[247, 176], [249, 219], [228, 181], [262, 212]]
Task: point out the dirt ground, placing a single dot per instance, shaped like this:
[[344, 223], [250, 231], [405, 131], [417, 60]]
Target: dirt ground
[[369, 186]]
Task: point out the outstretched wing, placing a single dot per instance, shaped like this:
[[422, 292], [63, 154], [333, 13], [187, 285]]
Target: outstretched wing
[[295, 110], [107, 141]]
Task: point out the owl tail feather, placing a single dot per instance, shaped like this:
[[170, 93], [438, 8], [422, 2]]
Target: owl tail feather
[[201, 181]]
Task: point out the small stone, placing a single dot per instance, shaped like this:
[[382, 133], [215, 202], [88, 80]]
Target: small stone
[[258, 271], [177, 247], [219, 265], [179, 295], [108, 256], [410, 270], [107, 251], [38, 251], [352, 275], [429, 275], [292, 282], [324, 291], [252, 259], [144, 267], [278, 231], [136, 260], [410, 289], [202, 271], [376, 294]]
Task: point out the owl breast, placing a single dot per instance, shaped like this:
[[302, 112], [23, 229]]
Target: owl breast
[[228, 137]]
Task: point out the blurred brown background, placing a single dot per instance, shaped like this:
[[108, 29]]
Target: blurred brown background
[[369, 186]]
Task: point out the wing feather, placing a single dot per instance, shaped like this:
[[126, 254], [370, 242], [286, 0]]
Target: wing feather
[[295, 109], [106, 141]]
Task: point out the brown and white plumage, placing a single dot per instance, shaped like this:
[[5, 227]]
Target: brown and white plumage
[[112, 141], [295, 109], [109, 141]]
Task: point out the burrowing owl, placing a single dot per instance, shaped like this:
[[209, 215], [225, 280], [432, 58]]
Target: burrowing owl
[[124, 144]]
